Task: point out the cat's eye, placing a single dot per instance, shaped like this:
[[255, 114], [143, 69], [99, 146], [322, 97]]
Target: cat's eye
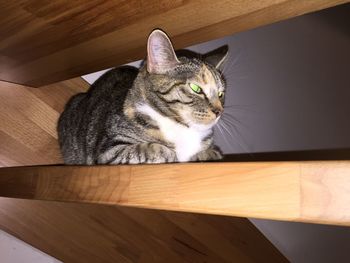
[[221, 94], [195, 88]]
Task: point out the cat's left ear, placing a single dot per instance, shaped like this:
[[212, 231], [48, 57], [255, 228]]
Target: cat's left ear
[[160, 53], [217, 57]]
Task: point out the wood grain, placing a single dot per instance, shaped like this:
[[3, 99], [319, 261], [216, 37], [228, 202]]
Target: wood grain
[[97, 233], [28, 120], [315, 192], [48, 41]]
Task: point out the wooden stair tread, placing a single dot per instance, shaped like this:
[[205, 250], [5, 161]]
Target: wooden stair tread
[[309, 191], [94, 233], [58, 40]]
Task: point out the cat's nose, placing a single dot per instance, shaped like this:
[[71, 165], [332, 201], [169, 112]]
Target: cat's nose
[[217, 108], [218, 111]]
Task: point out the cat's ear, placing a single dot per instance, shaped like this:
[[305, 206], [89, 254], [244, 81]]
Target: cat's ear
[[160, 53], [217, 57]]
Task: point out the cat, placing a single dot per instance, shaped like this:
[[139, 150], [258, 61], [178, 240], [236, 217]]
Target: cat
[[163, 112]]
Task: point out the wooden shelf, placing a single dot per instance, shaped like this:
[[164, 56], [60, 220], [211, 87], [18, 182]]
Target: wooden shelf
[[310, 191], [58, 40]]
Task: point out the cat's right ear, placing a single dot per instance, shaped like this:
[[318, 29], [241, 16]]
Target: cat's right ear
[[217, 57], [160, 53]]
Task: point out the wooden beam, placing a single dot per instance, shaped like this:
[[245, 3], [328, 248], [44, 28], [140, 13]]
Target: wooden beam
[[42, 43], [316, 192]]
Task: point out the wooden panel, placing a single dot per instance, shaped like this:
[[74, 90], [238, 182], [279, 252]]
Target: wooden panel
[[295, 191], [48, 41], [96, 233], [28, 120]]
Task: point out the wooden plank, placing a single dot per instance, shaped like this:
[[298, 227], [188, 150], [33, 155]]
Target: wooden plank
[[48, 41], [96, 233], [295, 191]]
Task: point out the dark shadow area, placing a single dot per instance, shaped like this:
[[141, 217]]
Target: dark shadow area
[[338, 17], [308, 155], [187, 53]]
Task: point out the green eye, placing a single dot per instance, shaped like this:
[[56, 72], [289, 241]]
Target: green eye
[[195, 88], [220, 94]]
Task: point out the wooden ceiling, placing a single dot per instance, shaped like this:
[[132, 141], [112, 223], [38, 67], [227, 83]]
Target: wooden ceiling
[[48, 41]]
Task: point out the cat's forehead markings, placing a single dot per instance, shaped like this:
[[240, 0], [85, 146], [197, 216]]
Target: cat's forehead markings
[[206, 76], [207, 81]]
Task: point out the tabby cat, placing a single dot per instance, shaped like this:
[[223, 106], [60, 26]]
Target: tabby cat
[[163, 112]]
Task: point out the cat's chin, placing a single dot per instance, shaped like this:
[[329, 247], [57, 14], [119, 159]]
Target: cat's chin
[[202, 127], [207, 125]]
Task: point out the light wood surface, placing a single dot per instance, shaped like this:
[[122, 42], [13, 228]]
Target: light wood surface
[[47, 41], [96, 233], [28, 120], [317, 192]]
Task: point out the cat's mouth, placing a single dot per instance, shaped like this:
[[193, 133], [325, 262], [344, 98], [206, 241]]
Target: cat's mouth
[[200, 118], [208, 122], [206, 118]]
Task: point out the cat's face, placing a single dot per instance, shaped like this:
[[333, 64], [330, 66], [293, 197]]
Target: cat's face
[[192, 89]]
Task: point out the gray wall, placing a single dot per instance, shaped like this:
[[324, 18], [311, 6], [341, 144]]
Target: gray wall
[[308, 243], [292, 82], [289, 89]]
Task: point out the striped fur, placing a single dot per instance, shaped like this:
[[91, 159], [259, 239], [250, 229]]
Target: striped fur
[[146, 115]]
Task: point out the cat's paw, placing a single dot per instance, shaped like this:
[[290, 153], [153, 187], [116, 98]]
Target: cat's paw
[[210, 154], [158, 153]]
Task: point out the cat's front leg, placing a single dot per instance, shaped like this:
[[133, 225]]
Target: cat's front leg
[[210, 154], [138, 153], [156, 153]]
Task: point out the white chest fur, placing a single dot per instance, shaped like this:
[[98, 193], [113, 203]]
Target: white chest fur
[[187, 140]]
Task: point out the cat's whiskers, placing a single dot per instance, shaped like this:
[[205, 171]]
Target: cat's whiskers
[[232, 119], [226, 131], [240, 107], [223, 134], [226, 124]]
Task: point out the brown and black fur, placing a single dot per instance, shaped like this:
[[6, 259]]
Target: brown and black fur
[[104, 125]]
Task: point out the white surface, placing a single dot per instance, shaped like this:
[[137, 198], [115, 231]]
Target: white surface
[[91, 78], [13, 250]]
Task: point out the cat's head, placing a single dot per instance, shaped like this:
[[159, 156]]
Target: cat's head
[[193, 88]]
